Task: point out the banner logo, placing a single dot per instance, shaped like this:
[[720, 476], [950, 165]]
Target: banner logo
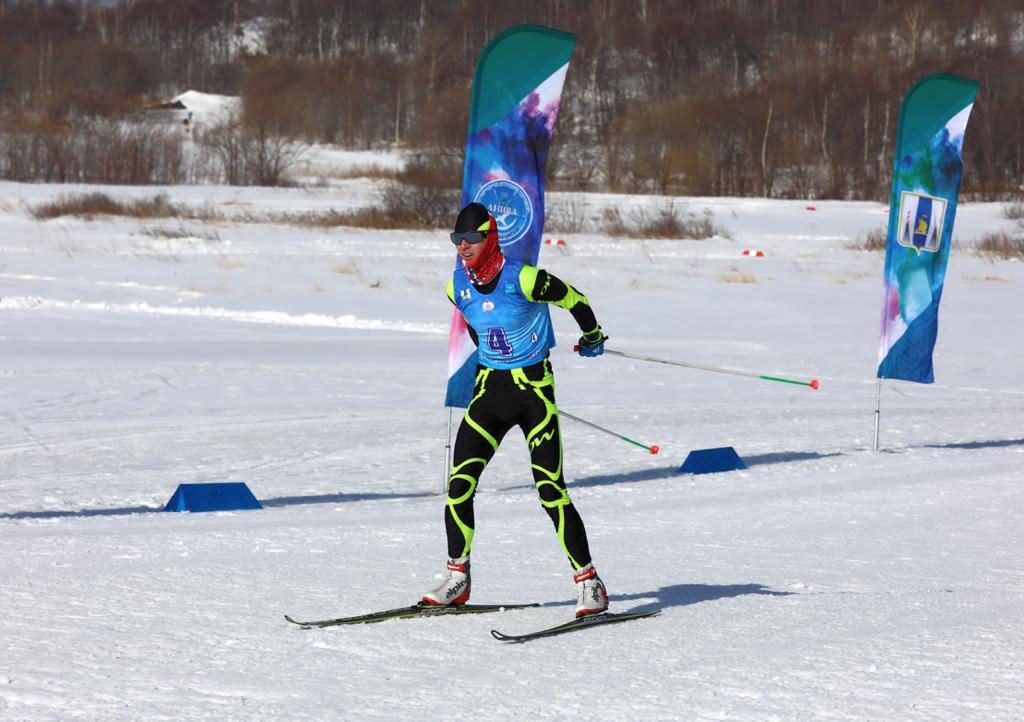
[[921, 218], [511, 206]]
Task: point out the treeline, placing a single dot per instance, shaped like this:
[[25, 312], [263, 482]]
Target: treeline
[[780, 98]]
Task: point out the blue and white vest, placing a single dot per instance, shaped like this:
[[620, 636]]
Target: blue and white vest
[[512, 330]]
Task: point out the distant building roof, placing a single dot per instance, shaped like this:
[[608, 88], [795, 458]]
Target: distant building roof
[[169, 105]]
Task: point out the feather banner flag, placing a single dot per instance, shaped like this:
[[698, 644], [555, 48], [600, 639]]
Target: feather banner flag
[[926, 182], [516, 92]]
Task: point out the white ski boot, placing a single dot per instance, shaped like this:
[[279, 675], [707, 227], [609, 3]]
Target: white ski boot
[[591, 596], [455, 588]]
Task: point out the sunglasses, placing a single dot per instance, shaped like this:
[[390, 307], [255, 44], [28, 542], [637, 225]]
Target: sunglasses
[[470, 237]]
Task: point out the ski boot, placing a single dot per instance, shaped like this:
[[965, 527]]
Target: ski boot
[[455, 588], [592, 597]]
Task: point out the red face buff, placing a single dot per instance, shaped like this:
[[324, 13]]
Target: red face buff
[[488, 263]]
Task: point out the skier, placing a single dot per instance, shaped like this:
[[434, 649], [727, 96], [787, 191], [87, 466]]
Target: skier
[[502, 302]]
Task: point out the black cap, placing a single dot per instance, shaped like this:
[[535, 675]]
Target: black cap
[[473, 217]]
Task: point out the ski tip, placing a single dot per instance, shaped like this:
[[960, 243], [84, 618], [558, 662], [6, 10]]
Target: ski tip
[[297, 622], [504, 637], [584, 622]]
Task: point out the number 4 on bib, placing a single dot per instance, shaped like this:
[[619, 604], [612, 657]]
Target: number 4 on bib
[[498, 341]]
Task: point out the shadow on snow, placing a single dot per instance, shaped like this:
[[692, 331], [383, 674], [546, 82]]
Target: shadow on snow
[[341, 498], [60, 514], [990, 444], [682, 595], [779, 457]]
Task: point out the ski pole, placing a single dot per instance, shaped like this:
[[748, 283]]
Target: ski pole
[[654, 449], [813, 383], [448, 453]]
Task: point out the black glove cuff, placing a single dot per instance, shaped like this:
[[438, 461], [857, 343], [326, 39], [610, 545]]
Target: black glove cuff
[[592, 338]]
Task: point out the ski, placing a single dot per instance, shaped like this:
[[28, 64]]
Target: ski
[[587, 622], [413, 610]]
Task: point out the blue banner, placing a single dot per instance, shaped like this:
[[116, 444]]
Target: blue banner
[[926, 184], [517, 88]]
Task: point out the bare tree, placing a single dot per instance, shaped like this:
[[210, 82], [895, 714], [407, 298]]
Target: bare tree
[[710, 96]]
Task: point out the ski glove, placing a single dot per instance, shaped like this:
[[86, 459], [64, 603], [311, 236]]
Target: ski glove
[[592, 343]]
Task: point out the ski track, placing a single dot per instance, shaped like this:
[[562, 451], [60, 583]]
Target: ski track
[[219, 314]]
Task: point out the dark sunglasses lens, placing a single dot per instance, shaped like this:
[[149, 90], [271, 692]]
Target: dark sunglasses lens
[[468, 237]]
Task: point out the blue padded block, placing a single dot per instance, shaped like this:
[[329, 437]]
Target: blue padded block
[[220, 496], [708, 461]]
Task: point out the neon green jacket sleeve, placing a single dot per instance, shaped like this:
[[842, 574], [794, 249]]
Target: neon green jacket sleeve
[[542, 287]]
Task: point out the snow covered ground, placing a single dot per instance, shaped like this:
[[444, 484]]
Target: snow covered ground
[[824, 582]]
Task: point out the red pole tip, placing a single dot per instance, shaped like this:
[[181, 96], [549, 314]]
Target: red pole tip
[[655, 449], [815, 384]]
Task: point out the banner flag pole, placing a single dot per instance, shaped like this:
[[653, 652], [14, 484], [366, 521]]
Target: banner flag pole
[[447, 453], [927, 169], [878, 412]]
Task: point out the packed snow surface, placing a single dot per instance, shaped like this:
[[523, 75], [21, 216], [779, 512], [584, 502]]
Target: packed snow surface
[[825, 581]]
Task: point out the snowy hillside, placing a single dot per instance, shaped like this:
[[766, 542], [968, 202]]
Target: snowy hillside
[[823, 582]]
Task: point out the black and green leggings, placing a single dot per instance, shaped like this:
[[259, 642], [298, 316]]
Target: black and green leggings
[[503, 399]]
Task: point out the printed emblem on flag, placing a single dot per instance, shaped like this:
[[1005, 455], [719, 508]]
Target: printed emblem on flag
[[511, 206], [921, 218]]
